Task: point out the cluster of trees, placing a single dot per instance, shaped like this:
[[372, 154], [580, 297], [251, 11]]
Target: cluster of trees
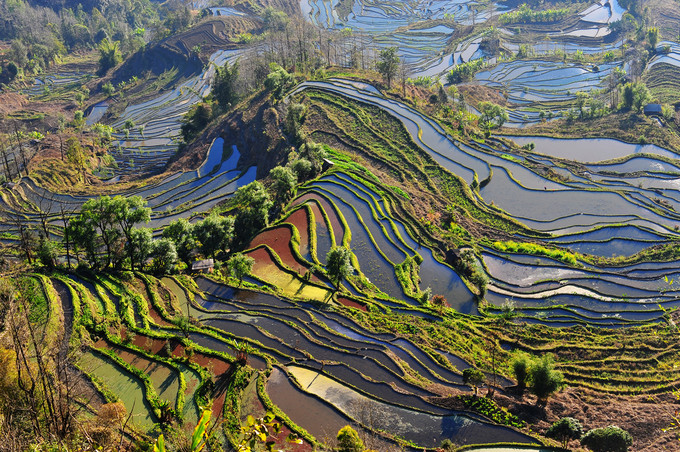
[[106, 233], [492, 115], [538, 375], [634, 95], [607, 439], [465, 71], [525, 14], [227, 88], [40, 31]]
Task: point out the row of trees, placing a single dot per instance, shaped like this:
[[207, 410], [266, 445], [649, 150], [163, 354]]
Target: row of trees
[[105, 233]]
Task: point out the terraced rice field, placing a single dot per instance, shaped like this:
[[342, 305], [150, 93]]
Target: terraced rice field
[[145, 361], [155, 138], [311, 354], [534, 86], [602, 209]]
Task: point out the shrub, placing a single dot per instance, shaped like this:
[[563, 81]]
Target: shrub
[[608, 439], [473, 378], [564, 430], [349, 441], [520, 368], [544, 379]]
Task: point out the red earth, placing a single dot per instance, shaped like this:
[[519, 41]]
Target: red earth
[[301, 222]]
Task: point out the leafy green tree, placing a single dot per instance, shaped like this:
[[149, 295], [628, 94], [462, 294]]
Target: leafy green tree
[[315, 154], [653, 37], [521, 364], [274, 19], [339, 265], [302, 168], [164, 256], [474, 378], [278, 80], [544, 379], [239, 266], [581, 100], [108, 89], [181, 233], [565, 430], [634, 96], [492, 115], [128, 212], [83, 237], [253, 204], [75, 154], [196, 119], [284, 182], [608, 439], [224, 85], [349, 441], [214, 233], [388, 64], [139, 247], [109, 55], [48, 252], [12, 70], [295, 117], [99, 214]]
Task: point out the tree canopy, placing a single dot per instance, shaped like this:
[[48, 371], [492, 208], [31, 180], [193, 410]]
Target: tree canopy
[[388, 64], [339, 264], [608, 439]]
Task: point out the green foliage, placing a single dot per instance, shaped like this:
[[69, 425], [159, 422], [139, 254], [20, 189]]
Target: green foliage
[[224, 85], [474, 378], [339, 264], [109, 55], [48, 252], [196, 119], [108, 89], [520, 365], [652, 37], [465, 71], [164, 256], [275, 20], [544, 379], [525, 50], [139, 246], [240, 265], [253, 203], [284, 181], [278, 80], [75, 154], [634, 95], [388, 64], [537, 250], [256, 431], [487, 407], [524, 14], [214, 233], [349, 441], [565, 430], [421, 80], [181, 233], [492, 115], [608, 439], [104, 227], [295, 118]]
